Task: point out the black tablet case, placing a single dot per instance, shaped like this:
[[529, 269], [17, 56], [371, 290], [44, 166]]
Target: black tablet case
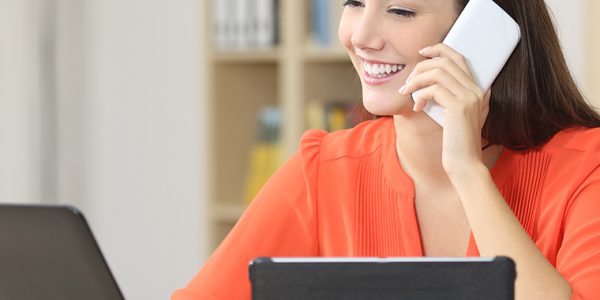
[[407, 280]]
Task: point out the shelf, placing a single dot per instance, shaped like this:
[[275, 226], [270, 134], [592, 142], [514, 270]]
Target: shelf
[[272, 56], [228, 212], [243, 81], [246, 56]]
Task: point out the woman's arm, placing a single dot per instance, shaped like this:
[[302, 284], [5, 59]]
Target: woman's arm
[[448, 81], [280, 221], [498, 232]]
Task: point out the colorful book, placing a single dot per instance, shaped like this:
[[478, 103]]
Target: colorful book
[[333, 115], [266, 153], [325, 18]]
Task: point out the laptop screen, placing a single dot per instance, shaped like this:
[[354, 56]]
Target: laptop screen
[[49, 252]]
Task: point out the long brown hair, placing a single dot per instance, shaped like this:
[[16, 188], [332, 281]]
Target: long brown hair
[[534, 96]]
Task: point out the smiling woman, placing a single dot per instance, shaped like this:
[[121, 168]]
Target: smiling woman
[[403, 186], [394, 36]]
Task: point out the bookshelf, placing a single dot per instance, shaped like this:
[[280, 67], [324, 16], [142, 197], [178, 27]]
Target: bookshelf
[[242, 81]]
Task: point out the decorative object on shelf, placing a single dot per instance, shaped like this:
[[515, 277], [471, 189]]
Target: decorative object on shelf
[[266, 153], [333, 115]]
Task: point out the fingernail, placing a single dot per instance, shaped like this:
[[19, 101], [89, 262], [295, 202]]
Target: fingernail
[[402, 89], [422, 51], [409, 77]]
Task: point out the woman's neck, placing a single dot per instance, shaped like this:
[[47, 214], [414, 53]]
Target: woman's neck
[[419, 149]]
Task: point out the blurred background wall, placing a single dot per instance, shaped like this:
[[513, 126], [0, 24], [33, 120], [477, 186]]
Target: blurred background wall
[[102, 106], [576, 24], [592, 48], [570, 20]]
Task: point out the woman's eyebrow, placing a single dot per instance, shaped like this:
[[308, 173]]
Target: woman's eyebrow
[[415, 1]]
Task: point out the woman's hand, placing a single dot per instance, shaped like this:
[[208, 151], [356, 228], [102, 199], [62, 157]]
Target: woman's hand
[[447, 80]]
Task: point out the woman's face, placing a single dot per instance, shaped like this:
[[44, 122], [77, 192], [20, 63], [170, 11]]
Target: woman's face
[[383, 38]]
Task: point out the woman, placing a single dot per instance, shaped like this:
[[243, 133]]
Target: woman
[[522, 181]]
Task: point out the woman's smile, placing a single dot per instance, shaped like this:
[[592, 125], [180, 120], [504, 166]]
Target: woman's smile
[[377, 73]]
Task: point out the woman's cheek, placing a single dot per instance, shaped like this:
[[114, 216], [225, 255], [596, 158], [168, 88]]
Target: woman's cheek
[[345, 29]]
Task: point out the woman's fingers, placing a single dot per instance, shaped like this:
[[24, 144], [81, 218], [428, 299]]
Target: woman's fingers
[[446, 64], [438, 76], [449, 69], [485, 110], [463, 101], [442, 50], [447, 80], [431, 93]]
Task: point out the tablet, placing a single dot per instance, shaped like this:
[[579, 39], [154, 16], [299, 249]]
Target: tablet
[[49, 252], [382, 278]]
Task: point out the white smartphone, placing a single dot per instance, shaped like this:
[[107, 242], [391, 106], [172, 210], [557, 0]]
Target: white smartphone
[[486, 36]]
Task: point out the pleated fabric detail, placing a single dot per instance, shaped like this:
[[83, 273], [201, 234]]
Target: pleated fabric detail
[[378, 230], [523, 190], [385, 220]]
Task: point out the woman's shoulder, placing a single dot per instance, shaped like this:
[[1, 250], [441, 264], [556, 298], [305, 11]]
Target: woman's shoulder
[[572, 154], [579, 139], [361, 140]]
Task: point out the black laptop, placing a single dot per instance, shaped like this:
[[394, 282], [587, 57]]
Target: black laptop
[[49, 252], [383, 278]]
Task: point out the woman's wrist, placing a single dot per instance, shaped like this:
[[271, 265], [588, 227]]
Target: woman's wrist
[[468, 176]]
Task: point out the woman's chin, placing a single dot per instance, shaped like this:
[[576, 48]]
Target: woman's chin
[[382, 105]]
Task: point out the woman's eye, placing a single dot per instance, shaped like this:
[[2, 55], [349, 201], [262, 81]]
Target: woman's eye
[[402, 12], [353, 3]]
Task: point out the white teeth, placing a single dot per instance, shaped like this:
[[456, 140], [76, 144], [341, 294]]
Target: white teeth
[[381, 70]]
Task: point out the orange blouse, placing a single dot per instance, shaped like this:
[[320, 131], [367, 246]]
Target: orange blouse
[[345, 194]]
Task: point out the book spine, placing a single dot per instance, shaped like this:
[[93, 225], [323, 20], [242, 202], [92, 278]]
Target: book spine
[[333, 115], [321, 23], [229, 24], [245, 24], [266, 153], [266, 11], [218, 24], [252, 24], [275, 23], [240, 13]]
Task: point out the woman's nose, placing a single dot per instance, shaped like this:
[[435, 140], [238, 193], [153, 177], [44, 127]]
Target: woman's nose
[[367, 33]]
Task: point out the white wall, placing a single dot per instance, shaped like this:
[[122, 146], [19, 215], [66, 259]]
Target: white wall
[[144, 182], [118, 130], [20, 169], [592, 65], [569, 18]]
